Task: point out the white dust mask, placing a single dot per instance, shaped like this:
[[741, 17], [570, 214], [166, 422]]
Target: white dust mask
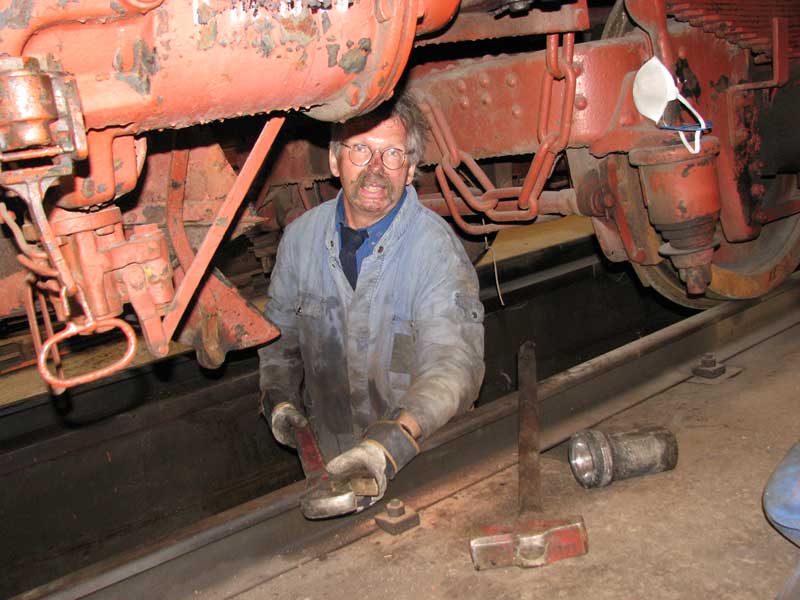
[[653, 89]]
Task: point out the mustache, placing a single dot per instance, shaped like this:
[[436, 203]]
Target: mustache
[[366, 178]]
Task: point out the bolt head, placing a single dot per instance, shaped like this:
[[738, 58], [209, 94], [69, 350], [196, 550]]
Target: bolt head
[[395, 508]]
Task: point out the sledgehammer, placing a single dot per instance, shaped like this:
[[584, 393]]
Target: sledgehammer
[[534, 540]]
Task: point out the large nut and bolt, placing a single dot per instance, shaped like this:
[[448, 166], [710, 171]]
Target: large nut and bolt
[[709, 367], [397, 518]]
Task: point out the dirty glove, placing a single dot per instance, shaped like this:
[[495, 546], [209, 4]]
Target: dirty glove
[[284, 418], [365, 460], [396, 440]]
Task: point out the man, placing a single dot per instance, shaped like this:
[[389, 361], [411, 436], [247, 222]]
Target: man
[[381, 326]]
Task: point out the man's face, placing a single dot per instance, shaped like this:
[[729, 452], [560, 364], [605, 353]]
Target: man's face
[[370, 192]]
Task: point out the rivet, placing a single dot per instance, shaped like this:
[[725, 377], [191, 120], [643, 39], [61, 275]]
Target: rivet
[[461, 85], [511, 80], [483, 80], [580, 102], [486, 99], [516, 110], [464, 102]]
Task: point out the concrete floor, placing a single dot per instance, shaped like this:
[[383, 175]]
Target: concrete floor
[[695, 532]]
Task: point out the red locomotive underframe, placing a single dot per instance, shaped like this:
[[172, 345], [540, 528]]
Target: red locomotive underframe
[[82, 81]]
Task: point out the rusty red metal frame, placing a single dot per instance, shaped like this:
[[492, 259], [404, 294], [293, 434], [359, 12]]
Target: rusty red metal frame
[[221, 320], [219, 227], [529, 196], [780, 71], [52, 265], [470, 26]]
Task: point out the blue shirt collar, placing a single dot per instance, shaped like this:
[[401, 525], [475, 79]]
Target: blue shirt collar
[[376, 230]]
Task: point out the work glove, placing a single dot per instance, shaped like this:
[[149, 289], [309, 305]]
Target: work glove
[[366, 460], [388, 446], [284, 418]]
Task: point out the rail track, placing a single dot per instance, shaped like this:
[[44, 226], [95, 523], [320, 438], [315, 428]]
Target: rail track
[[574, 396], [259, 540]]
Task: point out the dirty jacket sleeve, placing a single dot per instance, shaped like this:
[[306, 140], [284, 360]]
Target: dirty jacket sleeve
[[448, 362], [280, 361]]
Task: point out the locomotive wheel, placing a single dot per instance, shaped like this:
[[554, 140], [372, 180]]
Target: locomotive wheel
[[664, 279], [751, 269]]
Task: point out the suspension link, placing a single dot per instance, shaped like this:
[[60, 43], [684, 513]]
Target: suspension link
[[530, 198]]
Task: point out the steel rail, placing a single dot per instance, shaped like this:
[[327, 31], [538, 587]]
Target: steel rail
[[579, 397]]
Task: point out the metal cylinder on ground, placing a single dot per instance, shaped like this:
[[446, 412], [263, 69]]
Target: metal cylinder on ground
[[597, 458]]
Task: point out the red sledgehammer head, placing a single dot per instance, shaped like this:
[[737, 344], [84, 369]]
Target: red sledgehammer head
[[530, 543]]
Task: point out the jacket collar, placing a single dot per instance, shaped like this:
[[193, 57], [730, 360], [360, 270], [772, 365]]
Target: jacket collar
[[396, 229]]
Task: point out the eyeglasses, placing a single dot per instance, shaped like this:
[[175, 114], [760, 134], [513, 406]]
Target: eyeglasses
[[361, 154]]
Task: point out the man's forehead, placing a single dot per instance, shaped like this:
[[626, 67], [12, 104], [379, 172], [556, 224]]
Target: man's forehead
[[368, 127]]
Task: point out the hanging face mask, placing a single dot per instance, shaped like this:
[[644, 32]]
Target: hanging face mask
[[653, 89]]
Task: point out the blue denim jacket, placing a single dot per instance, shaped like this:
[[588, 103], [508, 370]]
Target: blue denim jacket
[[410, 336]]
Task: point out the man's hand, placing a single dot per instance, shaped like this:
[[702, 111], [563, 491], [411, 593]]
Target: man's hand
[[365, 460], [285, 417]]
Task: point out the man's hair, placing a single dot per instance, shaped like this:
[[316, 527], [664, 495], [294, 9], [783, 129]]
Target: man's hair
[[405, 108]]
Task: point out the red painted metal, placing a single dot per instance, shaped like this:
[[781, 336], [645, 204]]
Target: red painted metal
[[780, 73], [115, 162], [433, 15], [682, 195], [71, 330], [551, 143], [86, 79], [220, 320], [471, 26], [222, 222], [174, 65], [208, 179], [651, 15], [111, 269], [746, 24], [41, 114], [36, 335]]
